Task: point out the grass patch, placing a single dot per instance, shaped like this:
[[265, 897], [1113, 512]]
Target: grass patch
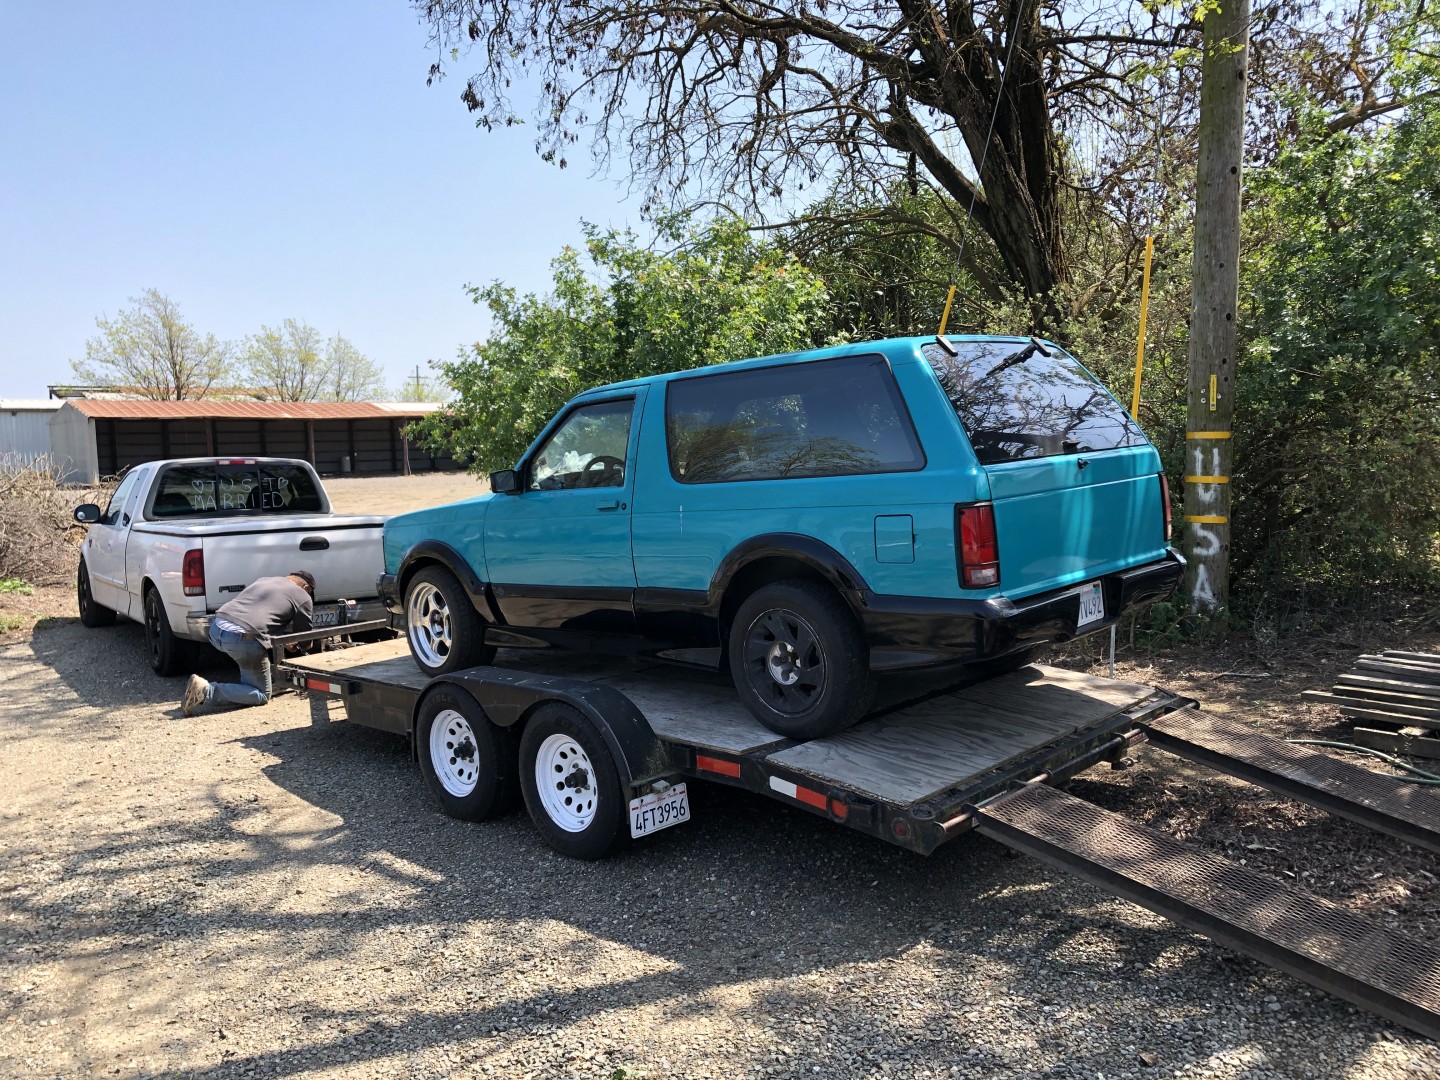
[[16, 587], [9, 620]]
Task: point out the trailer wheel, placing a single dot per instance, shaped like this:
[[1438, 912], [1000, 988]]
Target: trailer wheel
[[468, 762], [799, 660], [443, 628], [167, 652], [571, 785], [91, 613]]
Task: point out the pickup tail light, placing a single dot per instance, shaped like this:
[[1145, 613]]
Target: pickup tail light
[[978, 553], [1165, 504], [192, 572]]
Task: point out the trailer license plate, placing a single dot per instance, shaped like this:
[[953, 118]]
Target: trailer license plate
[[1092, 605], [659, 810]]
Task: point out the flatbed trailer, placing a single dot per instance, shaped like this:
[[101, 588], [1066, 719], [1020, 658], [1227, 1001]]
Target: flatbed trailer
[[619, 740]]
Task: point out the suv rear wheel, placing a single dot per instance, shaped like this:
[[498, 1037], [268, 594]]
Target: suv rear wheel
[[444, 631], [799, 660]]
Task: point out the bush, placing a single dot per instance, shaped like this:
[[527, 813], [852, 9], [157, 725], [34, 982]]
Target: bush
[[38, 535]]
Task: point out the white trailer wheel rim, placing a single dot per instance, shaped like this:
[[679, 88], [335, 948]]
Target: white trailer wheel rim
[[565, 782], [427, 621], [454, 753]]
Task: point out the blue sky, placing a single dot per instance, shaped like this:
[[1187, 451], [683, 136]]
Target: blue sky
[[256, 162]]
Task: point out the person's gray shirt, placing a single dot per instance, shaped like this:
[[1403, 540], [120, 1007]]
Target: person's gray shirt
[[271, 605]]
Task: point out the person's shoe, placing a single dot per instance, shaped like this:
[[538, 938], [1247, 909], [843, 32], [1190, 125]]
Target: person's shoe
[[194, 695]]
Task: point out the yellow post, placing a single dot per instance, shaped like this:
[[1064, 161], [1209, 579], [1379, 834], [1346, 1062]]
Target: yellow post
[[1140, 345], [945, 318]]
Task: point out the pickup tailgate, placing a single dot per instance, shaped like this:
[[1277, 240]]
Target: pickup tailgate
[[344, 553]]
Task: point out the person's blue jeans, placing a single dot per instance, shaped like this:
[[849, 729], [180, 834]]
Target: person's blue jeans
[[254, 660]]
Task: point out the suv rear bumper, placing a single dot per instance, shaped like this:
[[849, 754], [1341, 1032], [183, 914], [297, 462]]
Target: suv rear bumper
[[914, 631]]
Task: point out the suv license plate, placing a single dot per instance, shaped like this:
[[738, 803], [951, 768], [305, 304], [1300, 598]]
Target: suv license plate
[[659, 810], [1092, 605]]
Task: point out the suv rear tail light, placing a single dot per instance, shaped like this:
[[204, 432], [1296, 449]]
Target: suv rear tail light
[[978, 553], [1165, 504], [192, 572]]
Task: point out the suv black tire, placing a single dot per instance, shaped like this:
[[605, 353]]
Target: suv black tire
[[91, 613], [1003, 665], [799, 660], [450, 614]]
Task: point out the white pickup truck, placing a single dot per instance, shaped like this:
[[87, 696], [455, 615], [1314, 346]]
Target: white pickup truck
[[179, 538]]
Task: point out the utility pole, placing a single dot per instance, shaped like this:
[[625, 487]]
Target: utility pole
[[417, 382], [1214, 297]]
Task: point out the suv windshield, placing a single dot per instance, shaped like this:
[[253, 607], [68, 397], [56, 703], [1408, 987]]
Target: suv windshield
[[208, 489], [1015, 408]]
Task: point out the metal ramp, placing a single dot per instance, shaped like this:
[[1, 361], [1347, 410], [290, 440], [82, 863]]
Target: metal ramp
[[1312, 939], [1386, 804]]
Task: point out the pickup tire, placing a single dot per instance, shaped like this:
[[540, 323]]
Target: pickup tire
[[571, 784], [91, 613], [168, 654], [799, 660], [443, 628], [469, 764]]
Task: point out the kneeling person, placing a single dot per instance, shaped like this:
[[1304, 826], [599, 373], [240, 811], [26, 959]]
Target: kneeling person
[[241, 630]]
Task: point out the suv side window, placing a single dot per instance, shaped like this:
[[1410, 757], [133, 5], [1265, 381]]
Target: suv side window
[[839, 417], [587, 450]]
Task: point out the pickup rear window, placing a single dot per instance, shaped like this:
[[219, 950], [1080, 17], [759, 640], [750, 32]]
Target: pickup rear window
[[1016, 403], [209, 490]]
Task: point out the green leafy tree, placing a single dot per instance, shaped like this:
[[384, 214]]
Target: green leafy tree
[[292, 362], [150, 350], [718, 295]]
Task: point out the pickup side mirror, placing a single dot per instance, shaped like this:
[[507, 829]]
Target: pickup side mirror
[[505, 482], [87, 513]]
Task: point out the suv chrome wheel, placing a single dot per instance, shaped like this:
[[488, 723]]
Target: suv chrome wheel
[[428, 623]]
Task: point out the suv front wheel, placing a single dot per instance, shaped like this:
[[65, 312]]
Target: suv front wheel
[[799, 660], [444, 631]]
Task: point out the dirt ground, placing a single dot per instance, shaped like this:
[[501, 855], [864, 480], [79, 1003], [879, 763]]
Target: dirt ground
[[271, 892]]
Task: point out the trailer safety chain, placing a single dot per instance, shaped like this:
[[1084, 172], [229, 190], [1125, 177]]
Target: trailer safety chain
[[1429, 778]]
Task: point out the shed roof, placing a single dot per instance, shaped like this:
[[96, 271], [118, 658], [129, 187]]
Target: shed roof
[[29, 405], [245, 410]]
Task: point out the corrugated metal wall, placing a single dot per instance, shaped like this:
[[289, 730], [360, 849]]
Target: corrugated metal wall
[[25, 433], [372, 446]]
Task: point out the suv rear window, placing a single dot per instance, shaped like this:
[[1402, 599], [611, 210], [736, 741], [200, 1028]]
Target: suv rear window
[[1039, 406], [821, 418], [211, 490]]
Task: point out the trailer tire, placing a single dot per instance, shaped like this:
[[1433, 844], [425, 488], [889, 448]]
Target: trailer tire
[[442, 627], [571, 784], [799, 660], [91, 613], [469, 763], [168, 654]]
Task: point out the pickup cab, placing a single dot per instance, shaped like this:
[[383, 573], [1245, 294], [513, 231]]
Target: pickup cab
[[179, 538], [807, 521]]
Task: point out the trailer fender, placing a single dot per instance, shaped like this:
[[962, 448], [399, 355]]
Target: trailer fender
[[508, 697]]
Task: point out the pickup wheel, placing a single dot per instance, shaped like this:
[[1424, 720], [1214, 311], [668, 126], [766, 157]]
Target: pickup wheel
[[91, 613], [799, 660], [469, 763], [167, 652], [571, 785], [443, 628]]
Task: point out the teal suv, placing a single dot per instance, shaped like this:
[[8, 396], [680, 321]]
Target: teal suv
[[806, 521]]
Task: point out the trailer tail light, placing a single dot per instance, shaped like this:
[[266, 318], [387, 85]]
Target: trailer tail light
[[1165, 504], [192, 572], [977, 552]]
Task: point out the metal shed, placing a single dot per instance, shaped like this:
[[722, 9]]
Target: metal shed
[[94, 438], [25, 428]]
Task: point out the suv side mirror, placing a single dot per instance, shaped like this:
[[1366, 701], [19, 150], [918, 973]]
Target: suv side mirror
[[87, 513], [505, 482]]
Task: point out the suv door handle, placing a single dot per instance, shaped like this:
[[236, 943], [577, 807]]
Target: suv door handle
[[616, 505]]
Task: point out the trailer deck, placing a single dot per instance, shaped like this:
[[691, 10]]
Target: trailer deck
[[934, 762]]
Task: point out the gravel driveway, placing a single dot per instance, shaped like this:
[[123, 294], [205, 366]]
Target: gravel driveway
[[271, 892]]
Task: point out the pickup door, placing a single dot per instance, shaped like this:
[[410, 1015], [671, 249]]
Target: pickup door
[[557, 553], [104, 548]]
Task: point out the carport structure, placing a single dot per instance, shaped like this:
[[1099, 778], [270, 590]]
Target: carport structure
[[93, 438]]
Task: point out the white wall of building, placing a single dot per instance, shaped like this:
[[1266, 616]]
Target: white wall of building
[[72, 446], [25, 429]]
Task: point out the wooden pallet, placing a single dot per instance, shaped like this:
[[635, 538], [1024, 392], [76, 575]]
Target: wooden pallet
[[1394, 688]]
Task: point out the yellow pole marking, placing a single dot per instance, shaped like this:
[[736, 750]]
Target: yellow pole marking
[[1213, 392], [1207, 435], [1207, 519], [1140, 344], [945, 318], [1207, 479]]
